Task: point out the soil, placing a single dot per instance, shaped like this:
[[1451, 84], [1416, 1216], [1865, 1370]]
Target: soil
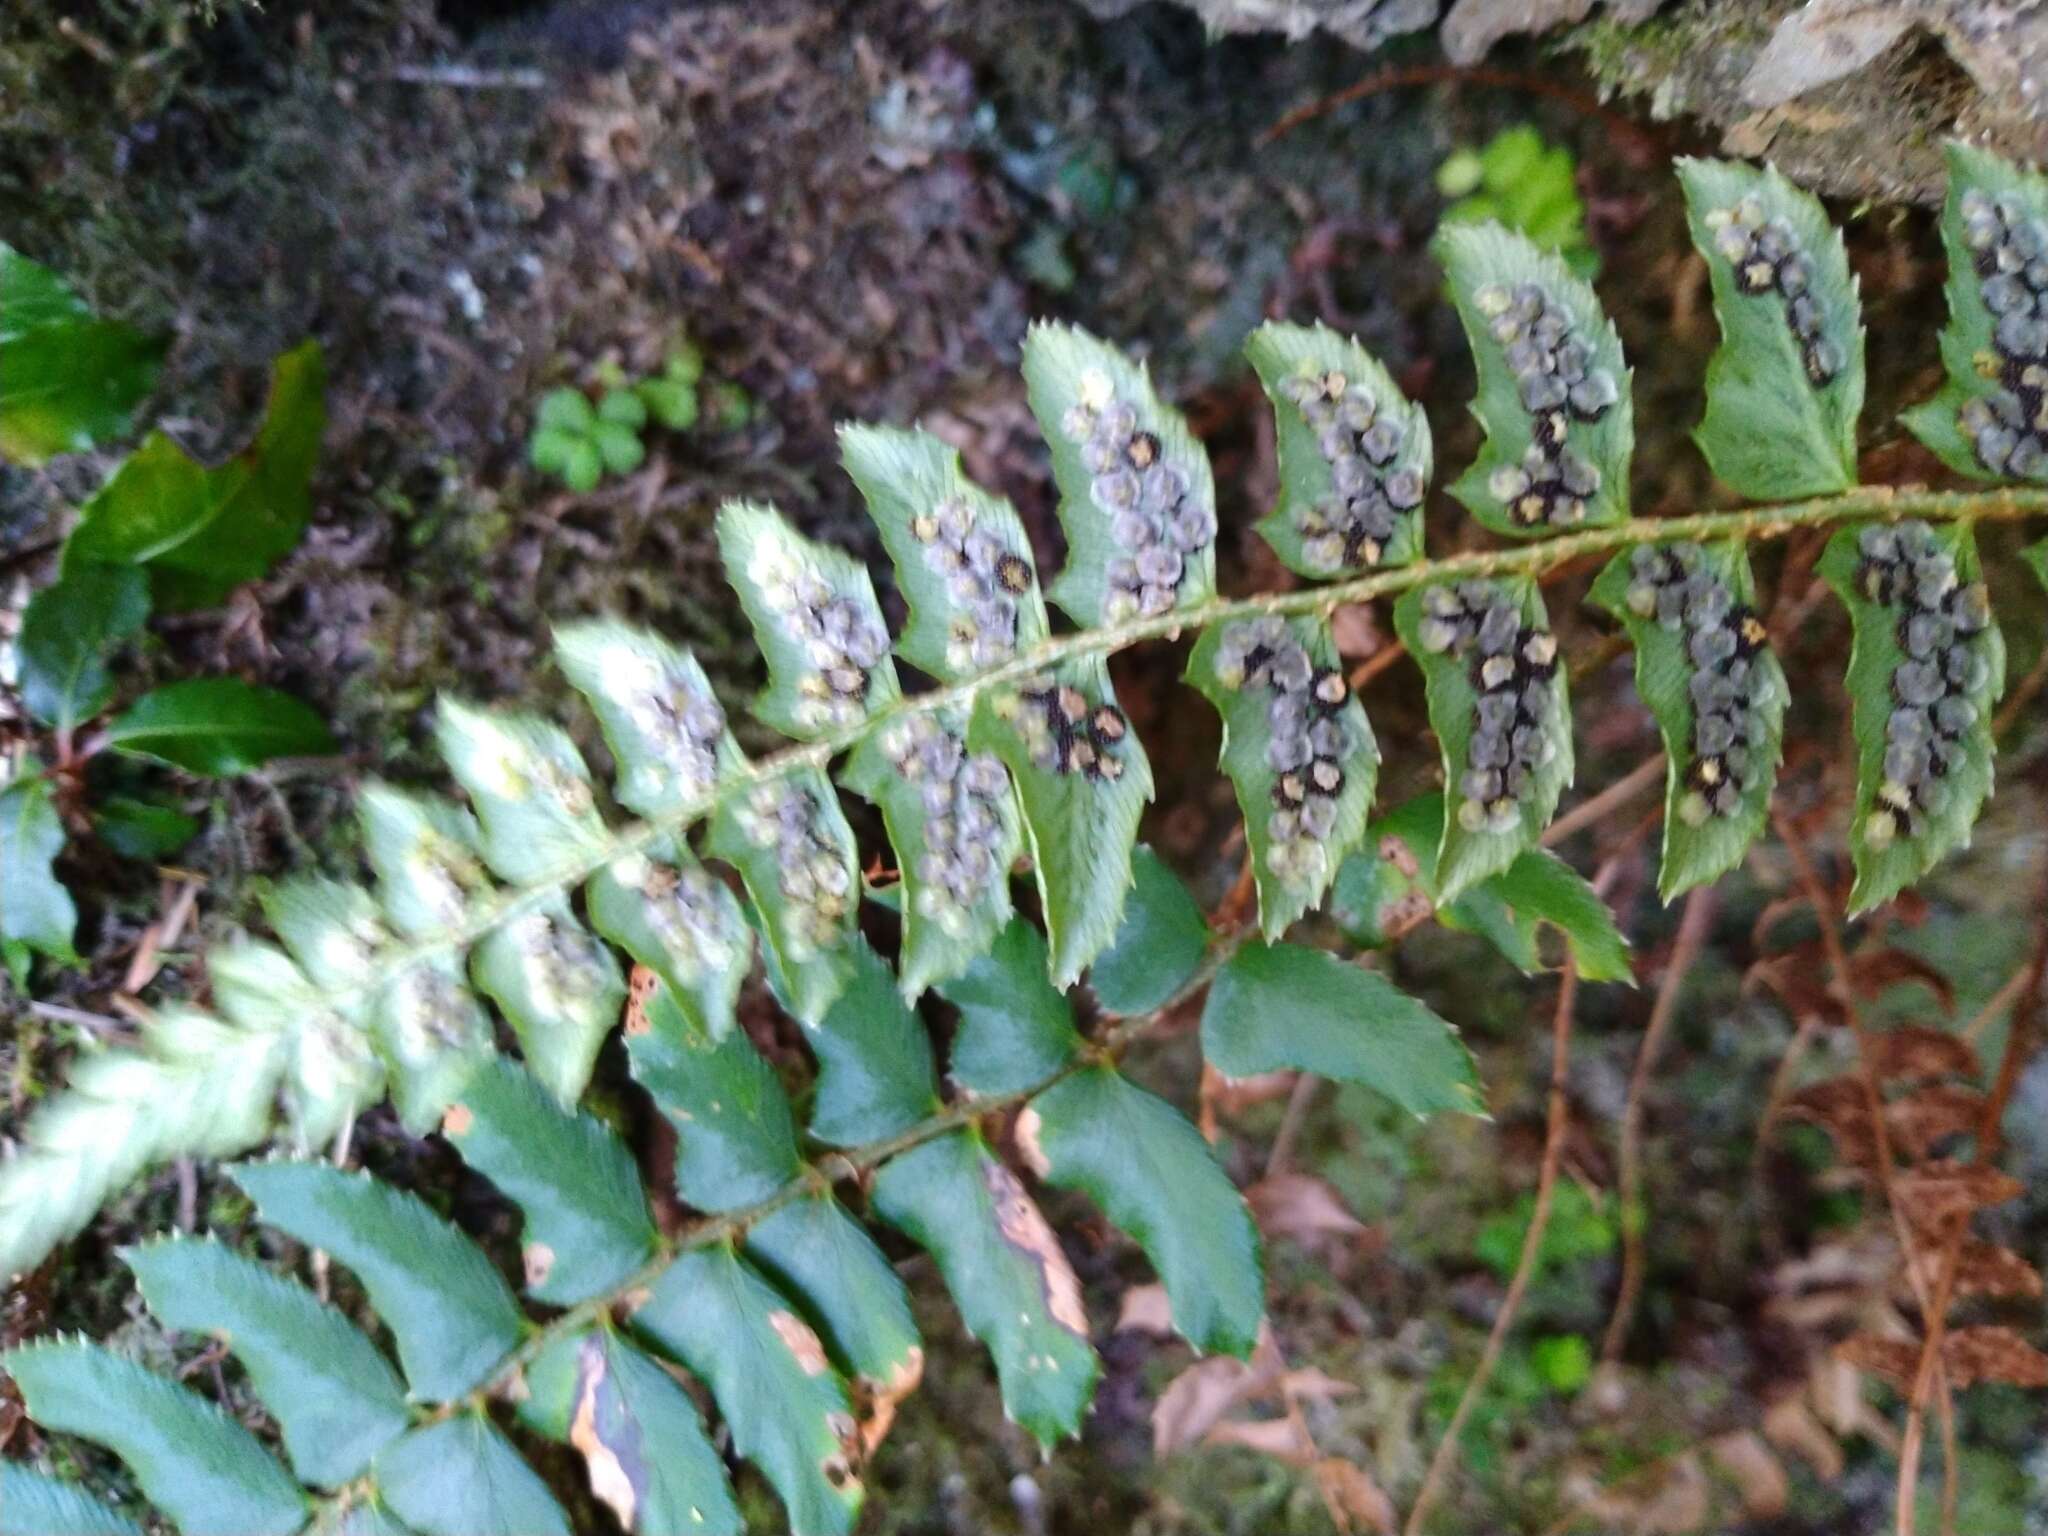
[[854, 212]]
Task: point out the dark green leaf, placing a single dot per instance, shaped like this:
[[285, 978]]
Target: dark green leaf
[[462, 1478], [141, 829], [35, 909], [1150, 1170], [786, 1407], [334, 1397], [735, 1132], [640, 1436], [875, 1074], [847, 1288], [1282, 1008], [451, 1314], [1159, 944], [67, 631], [70, 380], [218, 726], [1363, 423], [1564, 463], [1304, 780], [1916, 797], [587, 1225], [1701, 843], [1786, 383], [1015, 1029], [1541, 888], [1006, 1271], [1482, 838], [34, 1505], [1137, 501], [192, 1461], [203, 531], [559, 987]]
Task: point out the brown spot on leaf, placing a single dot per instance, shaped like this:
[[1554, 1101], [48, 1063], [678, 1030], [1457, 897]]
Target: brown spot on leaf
[[456, 1121], [1024, 1228], [800, 1341], [1992, 1353], [1029, 1147], [1914, 1051], [640, 988], [539, 1260], [882, 1397], [610, 1443]]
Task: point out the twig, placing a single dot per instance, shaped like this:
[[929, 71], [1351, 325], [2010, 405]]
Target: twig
[[1692, 932], [2021, 696], [1615, 795], [464, 77], [1998, 1002], [1555, 1122], [1290, 1122]]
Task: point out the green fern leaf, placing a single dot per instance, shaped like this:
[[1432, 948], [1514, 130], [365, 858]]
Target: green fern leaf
[[640, 1436], [1926, 667], [557, 985], [796, 856], [431, 1033], [1006, 1272], [1154, 1176], [1339, 417], [1498, 703], [673, 916], [34, 1505], [1786, 384], [461, 1477], [1082, 780], [1553, 388], [424, 852], [1015, 1030], [660, 718], [1689, 612], [815, 618], [1159, 943], [875, 1074], [1299, 749], [587, 1225], [963, 562], [786, 1407], [530, 788], [197, 1465], [449, 1312], [1985, 421], [329, 1069], [1137, 502], [1282, 1008], [334, 1398]]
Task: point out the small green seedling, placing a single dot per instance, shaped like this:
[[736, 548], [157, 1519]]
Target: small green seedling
[[578, 443], [672, 397], [1525, 184]]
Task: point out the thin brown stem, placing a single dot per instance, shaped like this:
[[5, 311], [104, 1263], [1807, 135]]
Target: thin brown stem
[[1589, 812], [1685, 949]]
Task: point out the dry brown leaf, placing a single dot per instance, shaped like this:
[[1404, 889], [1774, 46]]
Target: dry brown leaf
[[1992, 1353], [1913, 1051], [1838, 1106], [1791, 1426], [1990, 1269], [1877, 971], [1145, 1309], [1891, 1360], [1937, 1192], [1301, 1207], [1798, 979], [1928, 1116], [1355, 1501], [1196, 1400], [1282, 1439], [1754, 1469], [1314, 1385]]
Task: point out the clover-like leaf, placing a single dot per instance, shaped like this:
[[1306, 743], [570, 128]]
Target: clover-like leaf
[[1786, 384], [1355, 454], [1299, 749], [1926, 667], [1553, 388], [1137, 501], [1705, 668], [1497, 701]]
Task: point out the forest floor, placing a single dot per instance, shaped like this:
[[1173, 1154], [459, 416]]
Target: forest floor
[[854, 212]]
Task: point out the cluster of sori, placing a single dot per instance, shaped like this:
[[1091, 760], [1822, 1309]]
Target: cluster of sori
[[2009, 426], [1938, 680], [1156, 519], [841, 641], [561, 965], [1674, 586], [962, 795], [810, 868], [1558, 382], [1513, 668], [1063, 733], [1368, 496], [984, 578], [1766, 258], [687, 910], [1307, 744], [682, 722]]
